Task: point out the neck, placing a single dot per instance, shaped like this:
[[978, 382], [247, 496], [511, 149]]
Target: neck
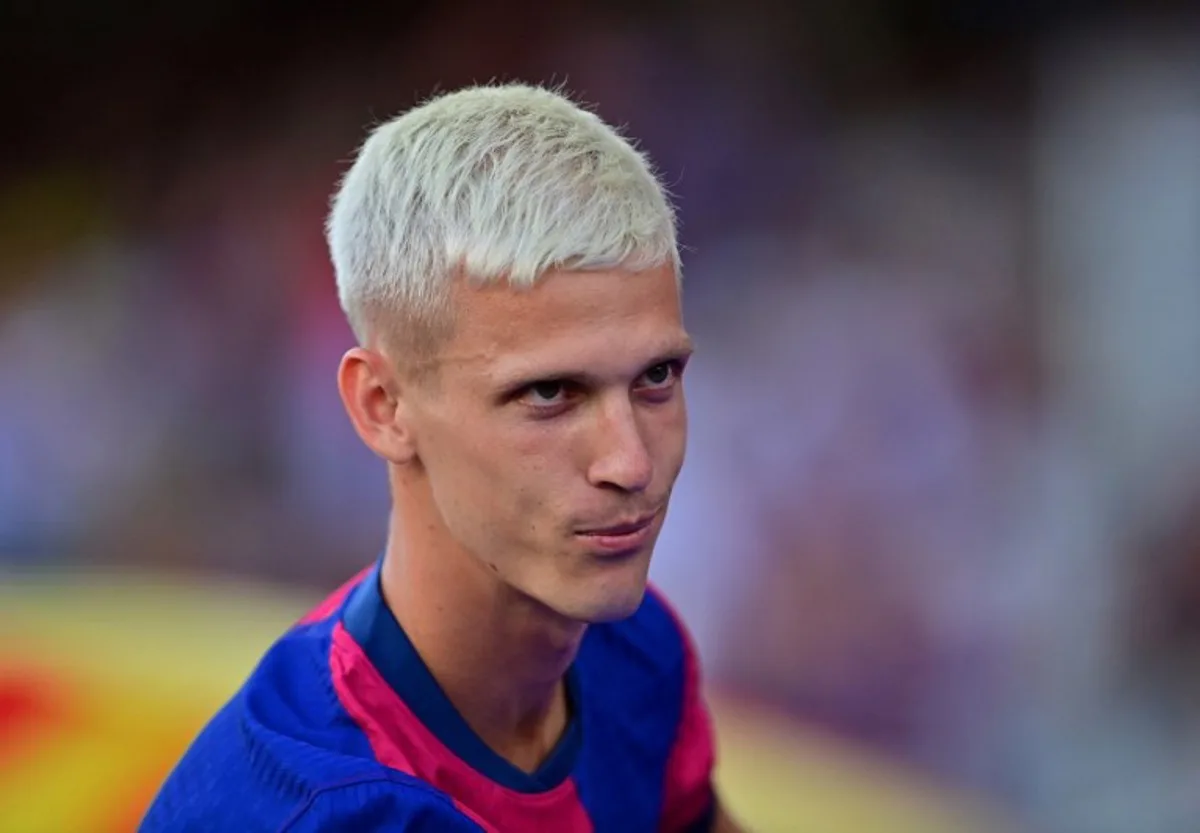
[[499, 655]]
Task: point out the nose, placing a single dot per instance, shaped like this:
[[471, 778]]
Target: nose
[[621, 460]]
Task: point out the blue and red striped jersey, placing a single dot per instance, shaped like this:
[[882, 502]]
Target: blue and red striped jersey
[[342, 727]]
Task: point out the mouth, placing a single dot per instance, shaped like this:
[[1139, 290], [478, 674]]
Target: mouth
[[621, 537]]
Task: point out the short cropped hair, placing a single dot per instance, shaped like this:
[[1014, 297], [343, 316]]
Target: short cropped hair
[[489, 183]]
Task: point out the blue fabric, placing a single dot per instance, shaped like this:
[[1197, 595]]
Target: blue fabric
[[631, 673], [284, 755]]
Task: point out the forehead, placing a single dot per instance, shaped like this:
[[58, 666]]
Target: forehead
[[569, 321]]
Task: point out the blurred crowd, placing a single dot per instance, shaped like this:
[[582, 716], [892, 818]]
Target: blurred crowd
[[943, 484]]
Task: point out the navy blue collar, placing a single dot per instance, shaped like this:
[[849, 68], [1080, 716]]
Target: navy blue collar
[[369, 620]]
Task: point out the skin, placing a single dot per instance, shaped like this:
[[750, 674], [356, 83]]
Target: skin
[[548, 413]]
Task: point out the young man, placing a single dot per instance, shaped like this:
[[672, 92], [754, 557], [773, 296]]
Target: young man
[[509, 266]]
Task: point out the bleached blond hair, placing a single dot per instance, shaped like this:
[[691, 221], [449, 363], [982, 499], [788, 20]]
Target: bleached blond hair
[[490, 183]]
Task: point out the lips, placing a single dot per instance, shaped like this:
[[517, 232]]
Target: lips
[[625, 537], [624, 528]]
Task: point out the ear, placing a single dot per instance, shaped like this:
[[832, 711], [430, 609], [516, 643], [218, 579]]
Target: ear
[[374, 399]]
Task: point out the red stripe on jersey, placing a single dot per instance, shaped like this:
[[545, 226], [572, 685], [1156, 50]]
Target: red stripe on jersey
[[400, 741], [688, 784]]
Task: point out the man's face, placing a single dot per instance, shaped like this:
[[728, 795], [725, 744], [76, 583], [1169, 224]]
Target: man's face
[[554, 432]]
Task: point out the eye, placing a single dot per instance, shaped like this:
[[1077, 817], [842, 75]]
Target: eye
[[547, 393], [549, 396], [660, 377]]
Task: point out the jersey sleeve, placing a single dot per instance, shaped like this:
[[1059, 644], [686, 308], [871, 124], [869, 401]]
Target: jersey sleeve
[[689, 802], [379, 806]]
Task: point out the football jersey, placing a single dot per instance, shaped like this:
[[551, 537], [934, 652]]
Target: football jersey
[[343, 727]]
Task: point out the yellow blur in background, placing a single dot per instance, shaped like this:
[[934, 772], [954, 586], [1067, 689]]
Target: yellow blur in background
[[104, 680]]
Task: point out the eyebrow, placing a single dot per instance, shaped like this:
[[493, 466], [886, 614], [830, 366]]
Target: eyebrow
[[520, 378]]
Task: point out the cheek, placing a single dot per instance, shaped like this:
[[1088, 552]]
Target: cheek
[[506, 483], [537, 482], [495, 484], [465, 468], [543, 476], [671, 440]]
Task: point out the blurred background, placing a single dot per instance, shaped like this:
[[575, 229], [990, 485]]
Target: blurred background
[[939, 533]]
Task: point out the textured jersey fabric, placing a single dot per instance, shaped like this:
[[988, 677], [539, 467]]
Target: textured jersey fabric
[[342, 727]]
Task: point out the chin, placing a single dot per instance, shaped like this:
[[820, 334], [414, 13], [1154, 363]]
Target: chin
[[592, 591], [607, 604]]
